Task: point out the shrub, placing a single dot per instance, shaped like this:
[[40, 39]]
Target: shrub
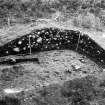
[[87, 21]]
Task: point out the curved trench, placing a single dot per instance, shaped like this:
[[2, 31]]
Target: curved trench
[[47, 39]]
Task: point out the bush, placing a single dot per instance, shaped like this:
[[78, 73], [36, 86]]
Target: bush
[[87, 21]]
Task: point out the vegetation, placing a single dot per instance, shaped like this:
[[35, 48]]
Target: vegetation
[[83, 13]]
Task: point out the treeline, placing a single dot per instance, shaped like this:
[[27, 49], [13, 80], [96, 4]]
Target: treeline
[[27, 9]]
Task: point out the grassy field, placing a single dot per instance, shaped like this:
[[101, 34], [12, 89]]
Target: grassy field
[[89, 14]]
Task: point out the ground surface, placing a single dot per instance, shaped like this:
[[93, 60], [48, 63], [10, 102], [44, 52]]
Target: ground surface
[[52, 81], [55, 67]]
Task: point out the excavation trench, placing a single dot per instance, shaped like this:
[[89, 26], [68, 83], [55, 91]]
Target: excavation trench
[[47, 39]]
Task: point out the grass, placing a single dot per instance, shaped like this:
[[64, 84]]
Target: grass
[[87, 14], [88, 21]]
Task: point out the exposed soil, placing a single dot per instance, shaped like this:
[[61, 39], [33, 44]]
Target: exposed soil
[[54, 67], [59, 77]]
